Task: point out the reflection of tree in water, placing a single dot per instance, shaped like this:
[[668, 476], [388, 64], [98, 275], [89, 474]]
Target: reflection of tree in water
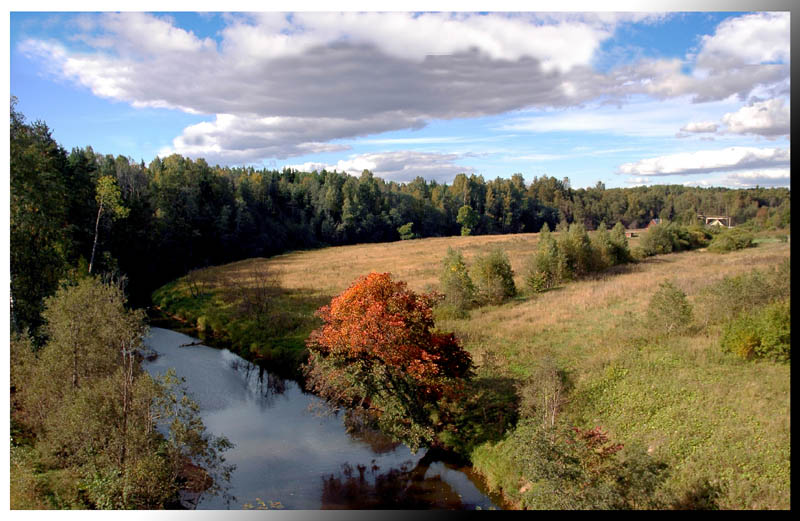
[[365, 487], [361, 427], [263, 382]]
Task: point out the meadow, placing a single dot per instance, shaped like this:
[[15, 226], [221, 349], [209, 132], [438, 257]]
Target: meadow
[[720, 424]]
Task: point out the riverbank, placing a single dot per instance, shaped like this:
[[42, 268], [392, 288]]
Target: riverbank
[[719, 424]]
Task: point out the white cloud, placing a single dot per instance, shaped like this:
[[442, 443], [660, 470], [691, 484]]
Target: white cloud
[[748, 179], [766, 118], [746, 40], [700, 126], [285, 85], [706, 161], [400, 166]]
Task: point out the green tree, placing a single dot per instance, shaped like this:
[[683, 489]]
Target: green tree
[[109, 200], [467, 218], [94, 413], [456, 284], [493, 277], [39, 239]]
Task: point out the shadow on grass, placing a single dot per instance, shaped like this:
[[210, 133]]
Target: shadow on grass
[[483, 412]]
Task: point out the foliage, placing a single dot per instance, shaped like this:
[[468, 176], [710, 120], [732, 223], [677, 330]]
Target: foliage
[[669, 311], [456, 285], [547, 267], [200, 215], [467, 218], [576, 247], [493, 277], [581, 469], [738, 294], [94, 414], [731, 240], [406, 232], [543, 394], [761, 333], [377, 349]]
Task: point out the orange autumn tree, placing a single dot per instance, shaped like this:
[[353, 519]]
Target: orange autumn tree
[[377, 350]]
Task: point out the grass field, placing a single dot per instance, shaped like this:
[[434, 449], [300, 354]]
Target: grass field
[[711, 417]]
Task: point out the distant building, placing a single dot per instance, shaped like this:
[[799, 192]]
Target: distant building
[[655, 221]]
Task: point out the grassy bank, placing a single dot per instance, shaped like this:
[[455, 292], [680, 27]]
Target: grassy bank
[[721, 425]]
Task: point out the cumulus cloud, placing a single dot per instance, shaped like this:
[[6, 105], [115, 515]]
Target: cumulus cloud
[[700, 126], [401, 166], [749, 179], [706, 161], [282, 84], [768, 118], [744, 53], [765, 118]]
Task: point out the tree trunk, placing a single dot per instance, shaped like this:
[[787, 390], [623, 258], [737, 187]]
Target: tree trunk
[[96, 229]]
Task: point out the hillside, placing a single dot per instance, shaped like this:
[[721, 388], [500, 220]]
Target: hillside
[[721, 425]]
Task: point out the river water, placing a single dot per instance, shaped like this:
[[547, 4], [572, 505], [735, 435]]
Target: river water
[[285, 450]]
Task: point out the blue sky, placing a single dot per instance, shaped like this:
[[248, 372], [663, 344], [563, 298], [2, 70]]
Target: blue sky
[[626, 99]]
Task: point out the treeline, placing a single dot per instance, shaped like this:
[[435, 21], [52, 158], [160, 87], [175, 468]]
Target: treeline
[[176, 214]]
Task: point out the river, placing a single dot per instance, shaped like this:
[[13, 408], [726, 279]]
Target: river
[[286, 450]]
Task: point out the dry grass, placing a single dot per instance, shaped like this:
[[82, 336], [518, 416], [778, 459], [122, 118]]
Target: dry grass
[[708, 415]]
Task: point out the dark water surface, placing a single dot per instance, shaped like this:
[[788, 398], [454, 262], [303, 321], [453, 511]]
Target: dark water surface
[[285, 451]]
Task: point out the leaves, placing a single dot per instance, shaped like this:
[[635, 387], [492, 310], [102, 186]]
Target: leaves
[[378, 349]]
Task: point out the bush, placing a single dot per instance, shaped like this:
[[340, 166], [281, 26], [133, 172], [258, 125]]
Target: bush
[[734, 295], [456, 285], [656, 240], [576, 248], [582, 469], [669, 311], [405, 232], [546, 268], [493, 277], [731, 240], [765, 333]]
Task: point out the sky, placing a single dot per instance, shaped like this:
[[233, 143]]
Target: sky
[[632, 98]]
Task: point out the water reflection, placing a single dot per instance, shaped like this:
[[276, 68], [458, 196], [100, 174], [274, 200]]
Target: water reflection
[[404, 487], [285, 452]]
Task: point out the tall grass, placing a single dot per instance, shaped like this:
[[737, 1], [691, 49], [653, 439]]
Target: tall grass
[[721, 424]]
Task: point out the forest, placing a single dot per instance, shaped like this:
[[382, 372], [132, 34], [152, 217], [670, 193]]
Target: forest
[[87, 228], [176, 214]]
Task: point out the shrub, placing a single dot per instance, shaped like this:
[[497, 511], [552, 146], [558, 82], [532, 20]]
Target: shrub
[[731, 240], [669, 310], [656, 240], [405, 232], [620, 251], [731, 296], [456, 285], [576, 248], [764, 333], [582, 469], [546, 267], [493, 277]]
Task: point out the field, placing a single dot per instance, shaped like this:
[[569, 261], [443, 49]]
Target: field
[[717, 421]]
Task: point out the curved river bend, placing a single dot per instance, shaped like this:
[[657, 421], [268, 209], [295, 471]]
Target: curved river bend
[[285, 452]]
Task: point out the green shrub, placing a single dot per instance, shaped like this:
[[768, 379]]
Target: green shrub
[[657, 240], [620, 250], [456, 285], [493, 277], [669, 310], [546, 267], [763, 333], [405, 232], [731, 240], [731, 296], [582, 469], [576, 248]]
